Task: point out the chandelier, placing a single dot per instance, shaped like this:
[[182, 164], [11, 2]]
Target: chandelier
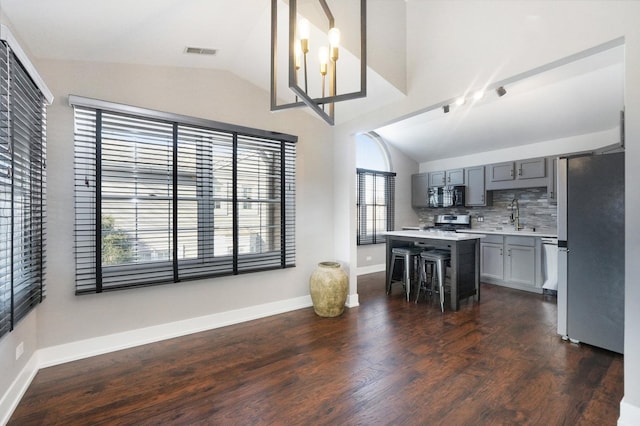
[[313, 49]]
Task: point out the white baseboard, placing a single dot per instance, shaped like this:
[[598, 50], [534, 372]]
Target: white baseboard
[[629, 414], [14, 394], [54, 355], [371, 269], [352, 301]]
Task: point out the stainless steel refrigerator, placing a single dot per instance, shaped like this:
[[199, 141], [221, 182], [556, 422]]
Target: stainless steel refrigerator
[[591, 250]]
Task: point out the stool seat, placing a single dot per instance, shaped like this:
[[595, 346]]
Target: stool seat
[[406, 250], [408, 256]]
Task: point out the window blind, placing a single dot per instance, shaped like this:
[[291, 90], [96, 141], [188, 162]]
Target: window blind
[[22, 191], [169, 200], [375, 205]]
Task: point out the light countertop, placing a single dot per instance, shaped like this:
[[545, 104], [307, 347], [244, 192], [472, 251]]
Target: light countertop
[[436, 235], [523, 233]]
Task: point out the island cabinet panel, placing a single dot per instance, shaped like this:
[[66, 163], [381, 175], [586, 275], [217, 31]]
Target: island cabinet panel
[[512, 261], [420, 190]]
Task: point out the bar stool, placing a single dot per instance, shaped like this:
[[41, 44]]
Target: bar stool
[[440, 258], [408, 256], [425, 280]]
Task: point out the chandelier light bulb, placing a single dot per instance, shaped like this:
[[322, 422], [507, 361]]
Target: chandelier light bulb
[[334, 42], [304, 29], [323, 55], [297, 54], [460, 101], [334, 37], [478, 95]]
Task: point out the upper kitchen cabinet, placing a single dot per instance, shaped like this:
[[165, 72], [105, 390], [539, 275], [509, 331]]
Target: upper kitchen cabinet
[[446, 177], [517, 174], [476, 194], [419, 190]]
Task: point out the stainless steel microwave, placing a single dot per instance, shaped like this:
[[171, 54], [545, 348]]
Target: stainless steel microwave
[[446, 196]]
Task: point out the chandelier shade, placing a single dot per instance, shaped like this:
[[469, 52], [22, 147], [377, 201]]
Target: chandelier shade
[[310, 44]]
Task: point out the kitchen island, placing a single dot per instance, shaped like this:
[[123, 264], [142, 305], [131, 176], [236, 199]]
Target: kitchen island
[[465, 258]]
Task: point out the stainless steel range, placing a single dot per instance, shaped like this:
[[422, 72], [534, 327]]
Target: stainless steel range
[[450, 222]]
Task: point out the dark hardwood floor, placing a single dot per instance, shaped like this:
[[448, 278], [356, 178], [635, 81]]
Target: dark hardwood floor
[[388, 361]]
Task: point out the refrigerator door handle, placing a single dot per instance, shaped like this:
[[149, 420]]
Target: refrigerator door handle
[[561, 192]]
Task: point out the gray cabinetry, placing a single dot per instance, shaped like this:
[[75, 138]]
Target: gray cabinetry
[[501, 172], [517, 174], [491, 262], [419, 190], [531, 169], [512, 261], [446, 177], [520, 261], [475, 193]]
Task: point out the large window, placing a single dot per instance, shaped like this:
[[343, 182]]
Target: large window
[[22, 191], [171, 198], [375, 189], [375, 205]]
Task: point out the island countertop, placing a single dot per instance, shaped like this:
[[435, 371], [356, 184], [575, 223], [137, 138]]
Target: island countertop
[[435, 235]]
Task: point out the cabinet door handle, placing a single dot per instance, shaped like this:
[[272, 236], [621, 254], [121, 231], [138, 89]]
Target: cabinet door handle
[[449, 179], [511, 172], [520, 171], [500, 252], [509, 252]]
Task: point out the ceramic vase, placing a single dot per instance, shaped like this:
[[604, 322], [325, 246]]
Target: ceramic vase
[[329, 286]]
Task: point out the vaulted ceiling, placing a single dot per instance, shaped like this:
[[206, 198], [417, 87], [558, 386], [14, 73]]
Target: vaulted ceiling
[[576, 96]]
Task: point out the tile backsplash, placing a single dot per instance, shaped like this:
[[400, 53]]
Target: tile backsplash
[[535, 211]]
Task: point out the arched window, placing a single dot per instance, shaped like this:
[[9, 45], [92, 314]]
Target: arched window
[[376, 189]]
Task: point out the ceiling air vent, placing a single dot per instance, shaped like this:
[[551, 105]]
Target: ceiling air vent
[[200, 50]]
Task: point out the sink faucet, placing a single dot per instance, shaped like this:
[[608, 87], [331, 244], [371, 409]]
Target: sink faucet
[[515, 214]]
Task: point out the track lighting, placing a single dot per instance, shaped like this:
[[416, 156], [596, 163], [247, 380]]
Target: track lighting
[[501, 91]]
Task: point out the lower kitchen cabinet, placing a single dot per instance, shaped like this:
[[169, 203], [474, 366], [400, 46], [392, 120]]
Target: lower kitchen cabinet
[[511, 261], [491, 262]]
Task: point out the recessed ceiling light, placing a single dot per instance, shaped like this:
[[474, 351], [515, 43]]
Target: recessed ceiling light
[[200, 50]]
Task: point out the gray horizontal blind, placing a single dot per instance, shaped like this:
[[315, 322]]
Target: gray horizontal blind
[[22, 192], [205, 202], [5, 196], [375, 206], [175, 201]]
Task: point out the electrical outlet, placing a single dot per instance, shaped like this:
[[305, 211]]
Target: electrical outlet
[[19, 350], [480, 218]]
